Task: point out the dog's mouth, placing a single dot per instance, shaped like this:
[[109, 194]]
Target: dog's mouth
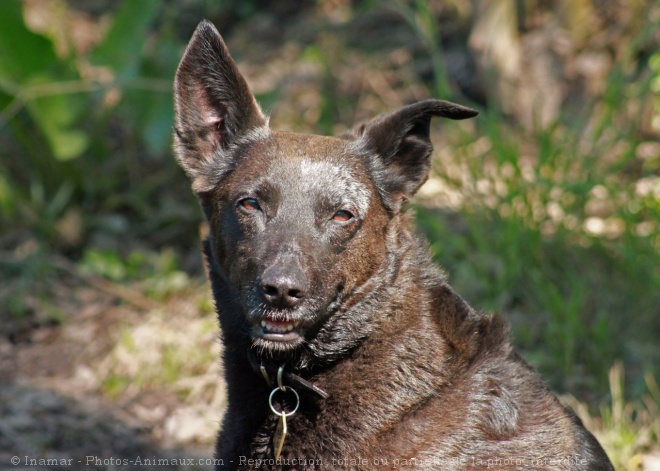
[[279, 330]]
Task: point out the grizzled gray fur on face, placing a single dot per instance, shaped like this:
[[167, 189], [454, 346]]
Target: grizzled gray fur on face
[[315, 268]]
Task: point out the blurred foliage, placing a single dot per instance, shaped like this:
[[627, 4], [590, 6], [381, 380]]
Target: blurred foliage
[[159, 273], [85, 132], [546, 208]]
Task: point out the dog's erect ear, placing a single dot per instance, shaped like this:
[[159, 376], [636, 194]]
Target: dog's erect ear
[[402, 146], [213, 106]]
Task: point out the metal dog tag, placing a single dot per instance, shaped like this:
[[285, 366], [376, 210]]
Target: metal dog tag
[[281, 429], [279, 436]]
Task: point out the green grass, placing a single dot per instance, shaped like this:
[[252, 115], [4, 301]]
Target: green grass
[[627, 428]]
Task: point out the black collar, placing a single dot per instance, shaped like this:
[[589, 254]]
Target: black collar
[[269, 374]]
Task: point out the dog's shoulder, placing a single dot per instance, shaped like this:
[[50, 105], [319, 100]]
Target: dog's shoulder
[[468, 333], [507, 402]]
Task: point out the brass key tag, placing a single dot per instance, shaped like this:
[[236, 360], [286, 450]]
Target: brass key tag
[[280, 436], [281, 429]]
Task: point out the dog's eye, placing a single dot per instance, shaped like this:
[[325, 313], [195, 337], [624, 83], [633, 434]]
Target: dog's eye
[[249, 204], [342, 216]]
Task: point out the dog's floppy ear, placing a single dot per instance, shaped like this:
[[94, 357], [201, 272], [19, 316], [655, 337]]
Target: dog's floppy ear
[[213, 106], [399, 143]]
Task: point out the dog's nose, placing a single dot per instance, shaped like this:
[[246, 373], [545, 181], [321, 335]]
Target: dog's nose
[[283, 286]]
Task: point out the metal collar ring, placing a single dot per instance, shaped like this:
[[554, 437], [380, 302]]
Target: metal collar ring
[[282, 413]]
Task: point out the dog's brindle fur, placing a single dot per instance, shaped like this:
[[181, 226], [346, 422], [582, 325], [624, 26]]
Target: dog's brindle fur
[[311, 229]]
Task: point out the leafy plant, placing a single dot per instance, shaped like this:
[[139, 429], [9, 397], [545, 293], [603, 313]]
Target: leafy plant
[[158, 273], [61, 114]]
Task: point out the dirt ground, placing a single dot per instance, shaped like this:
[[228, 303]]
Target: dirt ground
[[55, 403]]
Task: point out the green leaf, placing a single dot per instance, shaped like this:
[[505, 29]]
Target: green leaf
[[157, 131], [68, 144], [22, 51], [55, 115], [121, 48], [29, 59], [105, 263], [7, 197]]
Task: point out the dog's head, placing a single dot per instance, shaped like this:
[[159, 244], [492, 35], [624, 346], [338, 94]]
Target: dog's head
[[299, 224]]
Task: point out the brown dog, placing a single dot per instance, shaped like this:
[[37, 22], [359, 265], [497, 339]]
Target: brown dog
[[344, 346]]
